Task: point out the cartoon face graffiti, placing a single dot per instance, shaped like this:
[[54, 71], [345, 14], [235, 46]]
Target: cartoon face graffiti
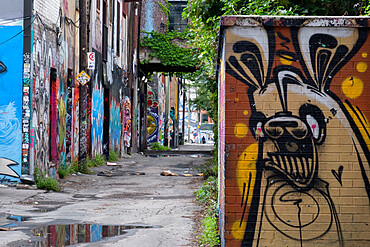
[[296, 119]]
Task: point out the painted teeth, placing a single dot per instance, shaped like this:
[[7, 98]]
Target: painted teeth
[[300, 168]]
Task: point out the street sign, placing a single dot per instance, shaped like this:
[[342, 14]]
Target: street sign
[[91, 60], [83, 78]]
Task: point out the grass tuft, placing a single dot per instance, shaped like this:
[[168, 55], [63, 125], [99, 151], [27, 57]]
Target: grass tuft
[[44, 182]]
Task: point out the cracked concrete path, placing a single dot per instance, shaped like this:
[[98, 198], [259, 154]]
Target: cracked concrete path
[[148, 210]]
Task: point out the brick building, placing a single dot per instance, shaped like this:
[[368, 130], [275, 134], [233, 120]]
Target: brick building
[[40, 104], [294, 133]]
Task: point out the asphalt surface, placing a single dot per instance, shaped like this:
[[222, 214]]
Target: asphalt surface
[[130, 204]]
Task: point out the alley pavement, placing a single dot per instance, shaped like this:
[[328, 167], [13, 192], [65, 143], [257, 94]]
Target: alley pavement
[[137, 201]]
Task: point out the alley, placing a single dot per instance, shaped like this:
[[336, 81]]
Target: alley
[[130, 199]]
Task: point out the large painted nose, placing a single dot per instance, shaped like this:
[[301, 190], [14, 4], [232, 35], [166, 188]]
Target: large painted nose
[[286, 126]]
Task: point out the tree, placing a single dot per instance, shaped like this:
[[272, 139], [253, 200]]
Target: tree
[[204, 17]]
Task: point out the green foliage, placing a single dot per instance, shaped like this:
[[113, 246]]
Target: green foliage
[[157, 146], [113, 155], [210, 168], [44, 182], [166, 10], [89, 162], [207, 195], [210, 236], [74, 167], [64, 171], [168, 49], [99, 160], [204, 17]]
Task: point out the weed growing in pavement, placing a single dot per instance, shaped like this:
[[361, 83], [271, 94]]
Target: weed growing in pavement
[[157, 146], [44, 182], [210, 168], [113, 155], [207, 195], [210, 236], [99, 160], [89, 162], [74, 167], [63, 172]]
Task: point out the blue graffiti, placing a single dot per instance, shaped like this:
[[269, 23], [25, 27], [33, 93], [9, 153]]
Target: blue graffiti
[[11, 82], [115, 125], [97, 120]]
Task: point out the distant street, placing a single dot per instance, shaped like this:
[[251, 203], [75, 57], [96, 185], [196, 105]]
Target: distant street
[[128, 204]]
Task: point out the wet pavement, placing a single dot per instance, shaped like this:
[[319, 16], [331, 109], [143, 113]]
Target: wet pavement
[[127, 204]]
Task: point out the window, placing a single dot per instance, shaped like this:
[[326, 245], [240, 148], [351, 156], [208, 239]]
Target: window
[[204, 118], [177, 23]]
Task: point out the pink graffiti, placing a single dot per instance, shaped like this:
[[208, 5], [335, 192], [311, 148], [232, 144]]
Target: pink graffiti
[[32, 138], [313, 128]]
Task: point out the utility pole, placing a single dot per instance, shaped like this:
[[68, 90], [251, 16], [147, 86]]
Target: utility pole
[[183, 110], [189, 117], [83, 88]]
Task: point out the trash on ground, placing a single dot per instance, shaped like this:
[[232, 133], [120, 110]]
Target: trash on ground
[[104, 174], [26, 187], [168, 173], [137, 173]]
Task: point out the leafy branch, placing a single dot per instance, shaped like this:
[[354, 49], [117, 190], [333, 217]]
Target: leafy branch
[[170, 48]]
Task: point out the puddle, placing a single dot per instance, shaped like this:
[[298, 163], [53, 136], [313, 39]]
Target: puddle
[[64, 235], [11, 220]]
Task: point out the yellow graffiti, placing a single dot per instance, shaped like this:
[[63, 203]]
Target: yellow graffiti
[[352, 87], [152, 125], [240, 130], [246, 170], [246, 177], [238, 230], [361, 122], [245, 112], [285, 61], [361, 67], [364, 55]]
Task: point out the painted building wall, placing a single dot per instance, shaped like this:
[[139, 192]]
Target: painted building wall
[[39, 120], [54, 124], [153, 120], [113, 76], [11, 87], [294, 132]]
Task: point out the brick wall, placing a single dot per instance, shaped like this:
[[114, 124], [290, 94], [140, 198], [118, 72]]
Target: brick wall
[[294, 131]]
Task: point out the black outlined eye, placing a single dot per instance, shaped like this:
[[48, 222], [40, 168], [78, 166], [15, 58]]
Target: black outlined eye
[[2, 67], [315, 120]]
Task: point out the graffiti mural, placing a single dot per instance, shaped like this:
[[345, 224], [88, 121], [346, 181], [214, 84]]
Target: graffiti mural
[[26, 113], [115, 125], [152, 117], [42, 61], [97, 119], [75, 124], [152, 124], [300, 139], [127, 121], [62, 129], [11, 88]]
